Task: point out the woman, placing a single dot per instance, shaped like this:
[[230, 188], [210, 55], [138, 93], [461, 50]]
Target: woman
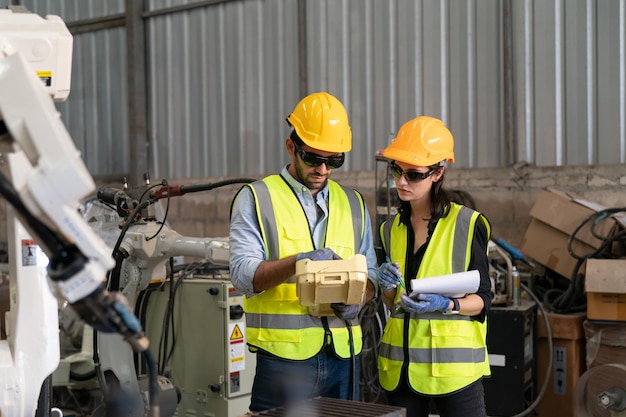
[[433, 347]]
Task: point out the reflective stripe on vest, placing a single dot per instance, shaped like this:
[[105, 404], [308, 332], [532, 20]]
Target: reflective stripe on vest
[[276, 322], [428, 356], [446, 352]]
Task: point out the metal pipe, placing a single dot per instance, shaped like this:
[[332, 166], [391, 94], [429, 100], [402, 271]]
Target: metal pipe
[[302, 49], [509, 151]]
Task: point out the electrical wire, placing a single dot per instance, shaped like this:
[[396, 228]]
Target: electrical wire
[[153, 388], [353, 381], [573, 298], [129, 221], [167, 209], [166, 348], [194, 188], [372, 326]]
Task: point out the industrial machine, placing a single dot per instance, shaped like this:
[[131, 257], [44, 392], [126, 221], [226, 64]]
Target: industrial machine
[[51, 247], [201, 340], [512, 387], [144, 248]]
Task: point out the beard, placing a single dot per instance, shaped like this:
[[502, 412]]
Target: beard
[[309, 177]]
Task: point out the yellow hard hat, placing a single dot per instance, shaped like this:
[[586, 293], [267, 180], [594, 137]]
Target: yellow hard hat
[[321, 121], [423, 141]]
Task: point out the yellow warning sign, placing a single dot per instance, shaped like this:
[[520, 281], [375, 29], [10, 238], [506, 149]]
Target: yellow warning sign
[[236, 334]]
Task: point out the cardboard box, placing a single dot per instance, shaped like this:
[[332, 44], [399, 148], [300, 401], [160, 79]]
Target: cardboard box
[[605, 284], [568, 362], [548, 246], [554, 217]]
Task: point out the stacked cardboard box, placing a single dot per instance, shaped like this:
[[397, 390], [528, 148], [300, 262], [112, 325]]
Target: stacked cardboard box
[[568, 362], [605, 284], [555, 216]]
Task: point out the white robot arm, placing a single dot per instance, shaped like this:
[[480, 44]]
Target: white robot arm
[[43, 179]]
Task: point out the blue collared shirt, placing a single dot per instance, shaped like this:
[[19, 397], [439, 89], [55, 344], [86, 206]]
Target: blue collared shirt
[[246, 244]]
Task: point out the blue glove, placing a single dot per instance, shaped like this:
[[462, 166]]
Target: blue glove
[[346, 311], [425, 303], [388, 276], [318, 255]]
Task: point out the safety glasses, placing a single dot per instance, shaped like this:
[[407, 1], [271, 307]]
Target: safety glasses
[[314, 160], [412, 175]]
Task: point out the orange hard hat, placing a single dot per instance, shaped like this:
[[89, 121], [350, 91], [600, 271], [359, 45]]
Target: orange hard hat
[[423, 141], [321, 121]]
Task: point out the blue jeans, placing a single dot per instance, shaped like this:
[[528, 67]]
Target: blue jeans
[[467, 402], [281, 381]]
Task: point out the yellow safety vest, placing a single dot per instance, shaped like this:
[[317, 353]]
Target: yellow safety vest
[[445, 352], [275, 320]]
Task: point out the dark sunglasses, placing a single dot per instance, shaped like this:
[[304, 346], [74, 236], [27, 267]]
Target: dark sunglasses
[[412, 175], [314, 160]]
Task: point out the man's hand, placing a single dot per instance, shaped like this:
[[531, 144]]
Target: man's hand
[[324, 254], [346, 311], [426, 303]]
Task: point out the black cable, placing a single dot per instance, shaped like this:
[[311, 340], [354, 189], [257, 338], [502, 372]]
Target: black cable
[[141, 307], [169, 322], [167, 209], [573, 298], [148, 189], [353, 381], [114, 274], [153, 387], [166, 349], [372, 326], [188, 271], [163, 339], [206, 187], [130, 220]]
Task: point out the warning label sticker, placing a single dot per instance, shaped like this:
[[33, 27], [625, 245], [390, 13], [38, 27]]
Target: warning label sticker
[[237, 347], [236, 333], [29, 253], [32, 254]]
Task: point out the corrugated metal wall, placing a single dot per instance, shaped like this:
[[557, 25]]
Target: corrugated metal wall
[[541, 81], [95, 113]]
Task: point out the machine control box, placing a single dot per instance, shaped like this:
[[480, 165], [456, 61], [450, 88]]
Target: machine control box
[[321, 283]]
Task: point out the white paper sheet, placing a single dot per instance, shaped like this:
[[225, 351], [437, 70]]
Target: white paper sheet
[[455, 285]]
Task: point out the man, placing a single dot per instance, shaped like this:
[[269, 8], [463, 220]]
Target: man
[[300, 214]]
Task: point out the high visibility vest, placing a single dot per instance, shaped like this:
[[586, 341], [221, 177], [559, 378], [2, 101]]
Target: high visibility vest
[[275, 320], [445, 352]]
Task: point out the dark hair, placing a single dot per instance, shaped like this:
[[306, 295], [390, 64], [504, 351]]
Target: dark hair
[[296, 139]]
